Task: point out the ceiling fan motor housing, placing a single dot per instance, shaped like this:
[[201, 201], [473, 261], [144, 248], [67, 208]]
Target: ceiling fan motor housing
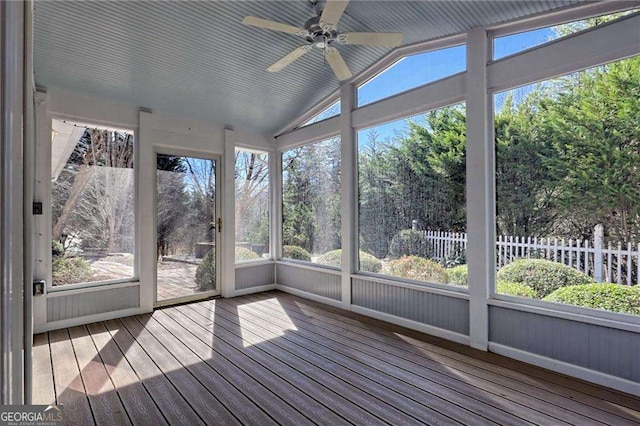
[[318, 36]]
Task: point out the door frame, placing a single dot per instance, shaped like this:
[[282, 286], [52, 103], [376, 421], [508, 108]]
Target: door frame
[[217, 159]]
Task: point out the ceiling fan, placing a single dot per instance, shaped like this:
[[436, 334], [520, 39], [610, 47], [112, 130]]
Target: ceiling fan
[[321, 32]]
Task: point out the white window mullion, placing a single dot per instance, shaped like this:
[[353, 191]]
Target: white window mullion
[[480, 188], [349, 196]]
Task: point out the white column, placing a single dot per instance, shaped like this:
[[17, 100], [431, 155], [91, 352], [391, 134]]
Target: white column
[[42, 193], [28, 175], [275, 197], [147, 194], [480, 188], [348, 166], [228, 237], [11, 204]]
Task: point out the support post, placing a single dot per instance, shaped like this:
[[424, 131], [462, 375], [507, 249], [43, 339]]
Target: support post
[[480, 188], [147, 218], [228, 239], [348, 167], [598, 237], [28, 173], [12, 284]]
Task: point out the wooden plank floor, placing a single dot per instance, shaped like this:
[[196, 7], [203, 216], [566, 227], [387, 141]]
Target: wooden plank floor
[[273, 358]]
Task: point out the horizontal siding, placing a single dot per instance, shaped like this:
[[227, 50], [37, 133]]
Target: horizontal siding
[[95, 302], [312, 281], [254, 276], [607, 350], [449, 313]]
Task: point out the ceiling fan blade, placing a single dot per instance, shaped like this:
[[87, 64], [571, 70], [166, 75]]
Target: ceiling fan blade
[[332, 12], [371, 39], [338, 65], [273, 25], [279, 65]]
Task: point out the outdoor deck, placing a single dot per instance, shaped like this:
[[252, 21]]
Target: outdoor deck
[[274, 358]]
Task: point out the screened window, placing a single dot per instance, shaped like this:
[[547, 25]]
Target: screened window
[[568, 189], [93, 204], [413, 71], [252, 205], [514, 43], [412, 213], [311, 203]]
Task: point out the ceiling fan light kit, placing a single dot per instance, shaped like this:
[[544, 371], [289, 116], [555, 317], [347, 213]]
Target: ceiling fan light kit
[[321, 32]]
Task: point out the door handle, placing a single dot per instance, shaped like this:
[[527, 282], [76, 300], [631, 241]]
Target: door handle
[[219, 224]]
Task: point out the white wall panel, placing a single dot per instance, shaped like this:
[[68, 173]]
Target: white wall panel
[[310, 280], [255, 275], [437, 310], [63, 306]]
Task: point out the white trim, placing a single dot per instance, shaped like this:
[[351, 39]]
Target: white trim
[[589, 375], [447, 91], [604, 43], [252, 290], [275, 170], [312, 133], [312, 112], [90, 289], [310, 296], [79, 107], [68, 288], [414, 325], [349, 193], [12, 285], [43, 195], [570, 13], [309, 265], [72, 322], [480, 191], [187, 152], [226, 211], [147, 220], [580, 314], [440, 289], [254, 263]]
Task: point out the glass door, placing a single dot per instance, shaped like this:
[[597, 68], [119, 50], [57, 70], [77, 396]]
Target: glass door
[[188, 228]]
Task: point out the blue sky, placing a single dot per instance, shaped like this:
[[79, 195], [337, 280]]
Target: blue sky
[[416, 70]]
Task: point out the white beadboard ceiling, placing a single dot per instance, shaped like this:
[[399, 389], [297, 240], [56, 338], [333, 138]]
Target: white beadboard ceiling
[[197, 59]]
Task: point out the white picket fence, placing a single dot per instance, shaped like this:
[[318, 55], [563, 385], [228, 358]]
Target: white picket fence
[[614, 263]]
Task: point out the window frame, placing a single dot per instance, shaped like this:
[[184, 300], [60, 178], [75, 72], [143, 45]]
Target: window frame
[[396, 59], [389, 278], [560, 310], [280, 201], [271, 213], [383, 111], [47, 205]]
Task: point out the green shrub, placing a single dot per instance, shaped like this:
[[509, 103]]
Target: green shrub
[[418, 268], [206, 272], [70, 270], [368, 263], [515, 289], [610, 297], [541, 275], [57, 249], [295, 252], [458, 275], [245, 254], [409, 243]]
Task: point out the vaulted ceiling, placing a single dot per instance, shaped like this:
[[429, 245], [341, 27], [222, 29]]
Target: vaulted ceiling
[[197, 58]]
